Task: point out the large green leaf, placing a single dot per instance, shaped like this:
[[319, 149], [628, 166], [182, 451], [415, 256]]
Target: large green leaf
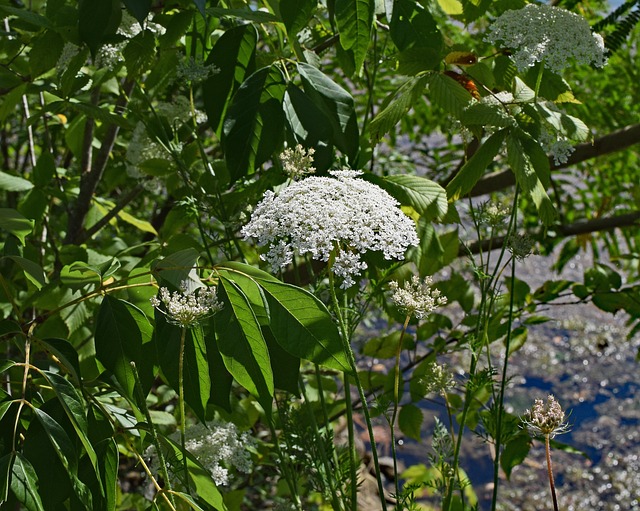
[[515, 452], [253, 125], [10, 183], [6, 467], [196, 381], [395, 106], [354, 19], [139, 8], [139, 53], [296, 14], [337, 105], [241, 344], [309, 126], [15, 223], [427, 197], [522, 157], [471, 171], [410, 421], [178, 267], [303, 326], [413, 26], [32, 271], [107, 449], [74, 408], [24, 483], [97, 20], [221, 378], [234, 58], [121, 330], [449, 94]]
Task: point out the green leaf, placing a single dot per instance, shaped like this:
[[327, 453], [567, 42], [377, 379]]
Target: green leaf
[[139, 53], [97, 20], [296, 14], [247, 269], [6, 466], [530, 167], [199, 476], [65, 354], [410, 421], [337, 105], [354, 20], [303, 326], [427, 197], [415, 60], [387, 345], [196, 381], [286, 367], [142, 225], [107, 449], [79, 274], [11, 183], [66, 452], [395, 106], [471, 171], [309, 125], [24, 483], [449, 94], [254, 121], [514, 453], [221, 378], [139, 8], [178, 267], [483, 114], [234, 57], [32, 271], [45, 52], [74, 408], [118, 341], [11, 99], [15, 223], [29, 16], [241, 344]]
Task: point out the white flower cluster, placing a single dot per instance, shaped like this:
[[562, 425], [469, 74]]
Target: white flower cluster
[[194, 70], [557, 145], [217, 446], [298, 162], [437, 378], [416, 298], [548, 34], [546, 419], [320, 216], [186, 309]]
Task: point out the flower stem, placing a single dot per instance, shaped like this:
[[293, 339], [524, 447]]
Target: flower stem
[[183, 442], [396, 403], [550, 472]]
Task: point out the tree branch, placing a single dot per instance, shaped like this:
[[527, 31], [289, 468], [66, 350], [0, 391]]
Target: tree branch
[[89, 180], [581, 227], [616, 141]]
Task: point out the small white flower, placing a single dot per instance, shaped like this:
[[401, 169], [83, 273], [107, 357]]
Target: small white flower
[[194, 70], [298, 162], [417, 298], [319, 216], [186, 309], [546, 419], [548, 34], [557, 145]]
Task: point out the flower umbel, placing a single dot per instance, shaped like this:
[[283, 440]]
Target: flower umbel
[[546, 419], [320, 216], [217, 446], [417, 298], [186, 309], [298, 162], [548, 34]]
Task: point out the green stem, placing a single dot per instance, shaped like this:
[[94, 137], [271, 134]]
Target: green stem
[[284, 464], [550, 472], [363, 398], [396, 403], [329, 477], [183, 442], [142, 403], [325, 415]]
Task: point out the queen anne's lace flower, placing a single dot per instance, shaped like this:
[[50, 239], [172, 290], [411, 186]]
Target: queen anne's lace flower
[[544, 33], [546, 419], [417, 298], [186, 309], [319, 214], [298, 162], [218, 446]]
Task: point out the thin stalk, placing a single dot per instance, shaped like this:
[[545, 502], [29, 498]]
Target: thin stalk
[[152, 428], [363, 399], [550, 472], [325, 415], [396, 403], [323, 454], [183, 442], [498, 439], [352, 443]]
